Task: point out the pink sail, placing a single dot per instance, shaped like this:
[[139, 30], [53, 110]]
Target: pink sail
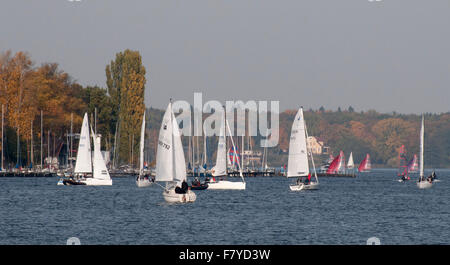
[[365, 165], [342, 164], [337, 164], [413, 165]]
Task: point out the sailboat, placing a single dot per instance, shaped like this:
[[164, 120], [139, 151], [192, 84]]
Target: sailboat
[[142, 180], [402, 167], [351, 163], [170, 163], [423, 183], [88, 171], [220, 170], [298, 164], [100, 174], [83, 165], [365, 165], [337, 166]]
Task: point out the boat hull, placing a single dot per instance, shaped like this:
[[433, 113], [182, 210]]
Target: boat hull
[[226, 185], [200, 187], [171, 196], [71, 182], [311, 186], [96, 182], [142, 183], [424, 184]]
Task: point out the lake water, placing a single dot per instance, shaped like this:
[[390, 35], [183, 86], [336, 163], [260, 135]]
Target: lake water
[[342, 211]]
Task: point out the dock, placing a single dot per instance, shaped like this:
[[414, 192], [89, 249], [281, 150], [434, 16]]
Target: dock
[[337, 175], [27, 175]]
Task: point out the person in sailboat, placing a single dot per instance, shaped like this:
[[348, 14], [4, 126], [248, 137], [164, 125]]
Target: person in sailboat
[[183, 189], [433, 175], [308, 179], [196, 182]]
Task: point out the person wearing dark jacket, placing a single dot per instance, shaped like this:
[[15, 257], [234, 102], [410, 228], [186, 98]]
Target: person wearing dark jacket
[[184, 188]]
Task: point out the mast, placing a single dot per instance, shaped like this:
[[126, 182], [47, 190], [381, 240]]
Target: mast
[[234, 147], [309, 151], [31, 150], [18, 146], [42, 142], [115, 147], [2, 136], [71, 137], [242, 149], [67, 147], [422, 134], [204, 150], [48, 146], [95, 121], [225, 135]]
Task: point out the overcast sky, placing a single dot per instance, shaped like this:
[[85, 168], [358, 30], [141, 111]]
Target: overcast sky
[[391, 55]]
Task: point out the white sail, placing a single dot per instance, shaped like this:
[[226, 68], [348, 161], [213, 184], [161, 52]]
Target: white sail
[[422, 134], [141, 146], [164, 153], [84, 161], [179, 161], [100, 170], [350, 164], [220, 169], [298, 155]]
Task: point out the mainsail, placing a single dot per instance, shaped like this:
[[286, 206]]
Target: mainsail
[[350, 164], [365, 164], [84, 161], [141, 146], [298, 154], [170, 163], [100, 170], [413, 165], [220, 169], [337, 164]]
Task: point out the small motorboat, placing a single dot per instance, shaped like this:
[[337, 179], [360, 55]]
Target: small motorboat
[[197, 185]]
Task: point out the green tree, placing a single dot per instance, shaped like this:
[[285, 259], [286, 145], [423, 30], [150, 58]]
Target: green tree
[[125, 80], [96, 97]]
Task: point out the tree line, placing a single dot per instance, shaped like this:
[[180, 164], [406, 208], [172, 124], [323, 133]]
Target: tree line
[[27, 90]]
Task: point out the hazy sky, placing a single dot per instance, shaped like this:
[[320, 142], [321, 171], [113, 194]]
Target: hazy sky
[[388, 55]]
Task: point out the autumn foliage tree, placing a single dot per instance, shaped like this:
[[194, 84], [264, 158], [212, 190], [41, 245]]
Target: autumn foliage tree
[[26, 90]]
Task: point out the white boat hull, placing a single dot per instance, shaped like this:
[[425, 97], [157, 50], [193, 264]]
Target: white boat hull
[[311, 186], [97, 182], [172, 197], [424, 184], [226, 185], [142, 183], [60, 183]]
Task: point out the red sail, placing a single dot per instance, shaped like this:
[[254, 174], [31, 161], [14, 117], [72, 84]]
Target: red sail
[[365, 164], [402, 167], [334, 166]]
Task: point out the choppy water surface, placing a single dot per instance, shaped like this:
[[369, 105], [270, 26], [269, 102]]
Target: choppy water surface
[[343, 211]]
